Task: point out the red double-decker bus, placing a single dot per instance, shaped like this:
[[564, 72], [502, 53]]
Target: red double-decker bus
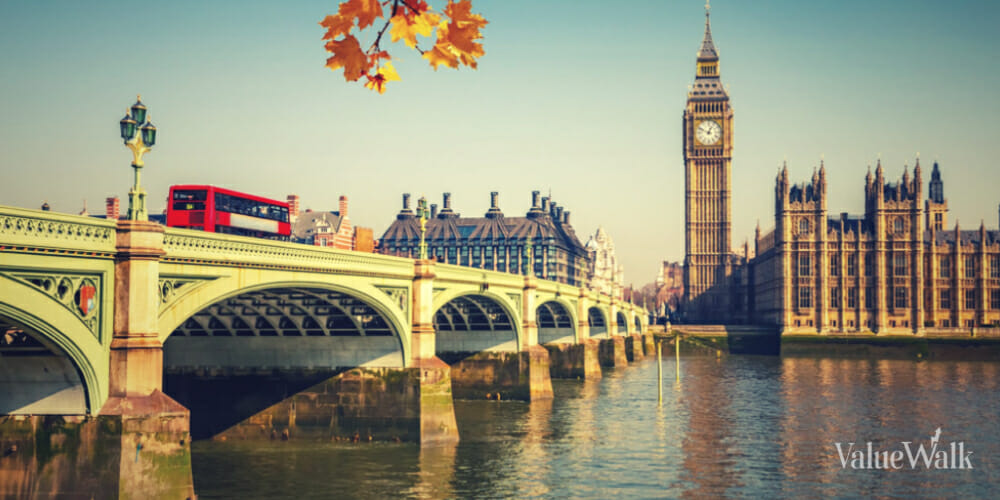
[[219, 210]]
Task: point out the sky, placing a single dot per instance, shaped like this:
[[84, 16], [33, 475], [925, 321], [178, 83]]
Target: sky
[[583, 99]]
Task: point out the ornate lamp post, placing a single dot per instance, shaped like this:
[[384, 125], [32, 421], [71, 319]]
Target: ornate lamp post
[[140, 144], [423, 213]]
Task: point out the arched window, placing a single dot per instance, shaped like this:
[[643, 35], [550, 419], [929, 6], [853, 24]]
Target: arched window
[[803, 226], [897, 225]]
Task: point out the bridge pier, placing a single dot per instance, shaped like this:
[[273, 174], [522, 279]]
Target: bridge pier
[[633, 347], [360, 404], [612, 352], [575, 361], [648, 344], [522, 375]]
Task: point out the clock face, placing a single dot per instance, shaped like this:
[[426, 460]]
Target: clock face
[[708, 132]]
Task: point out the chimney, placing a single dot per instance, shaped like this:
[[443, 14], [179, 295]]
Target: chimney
[[406, 202], [293, 205], [343, 206], [434, 210], [559, 214], [534, 199], [566, 217], [545, 204], [447, 202], [494, 210], [112, 208], [553, 209]]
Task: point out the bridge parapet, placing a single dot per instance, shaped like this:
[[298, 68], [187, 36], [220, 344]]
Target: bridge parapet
[[185, 245], [39, 229]]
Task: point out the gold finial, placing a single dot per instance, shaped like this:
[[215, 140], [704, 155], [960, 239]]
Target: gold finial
[[918, 155], [138, 97], [707, 7]]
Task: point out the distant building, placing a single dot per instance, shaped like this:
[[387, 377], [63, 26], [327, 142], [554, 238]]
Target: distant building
[[494, 241], [328, 229], [606, 274], [669, 287]]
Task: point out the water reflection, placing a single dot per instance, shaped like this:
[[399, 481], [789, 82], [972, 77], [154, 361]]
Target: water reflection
[[739, 426]]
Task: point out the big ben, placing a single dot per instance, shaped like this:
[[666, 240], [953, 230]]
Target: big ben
[[708, 149]]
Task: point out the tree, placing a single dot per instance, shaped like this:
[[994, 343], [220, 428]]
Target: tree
[[457, 32]]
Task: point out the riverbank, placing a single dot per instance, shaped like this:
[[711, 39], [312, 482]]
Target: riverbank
[[757, 340]]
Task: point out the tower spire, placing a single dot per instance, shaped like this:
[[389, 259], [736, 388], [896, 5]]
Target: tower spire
[[707, 51]]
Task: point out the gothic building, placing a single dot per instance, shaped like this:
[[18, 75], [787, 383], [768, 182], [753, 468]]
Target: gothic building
[[710, 287], [895, 269], [495, 242]]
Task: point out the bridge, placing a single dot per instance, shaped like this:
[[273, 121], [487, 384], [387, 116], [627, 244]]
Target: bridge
[[164, 332]]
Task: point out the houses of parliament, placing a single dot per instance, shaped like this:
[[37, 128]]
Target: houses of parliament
[[898, 268]]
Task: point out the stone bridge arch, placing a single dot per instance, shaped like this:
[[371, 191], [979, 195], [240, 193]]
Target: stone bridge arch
[[598, 320], [391, 304], [623, 323], [464, 322], [557, 322], [78, 352]]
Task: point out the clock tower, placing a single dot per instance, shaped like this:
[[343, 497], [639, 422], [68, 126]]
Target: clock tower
[[708, 148]]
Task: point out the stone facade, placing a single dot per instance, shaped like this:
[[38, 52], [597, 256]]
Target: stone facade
[[894, 269], [495, 242], [606, 274]]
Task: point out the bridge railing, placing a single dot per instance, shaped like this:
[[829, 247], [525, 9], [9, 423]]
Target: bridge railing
[[22, 227], [186, 245], [463, 274]]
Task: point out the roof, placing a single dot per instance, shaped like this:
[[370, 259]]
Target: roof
[[494, 229], [307, 223], [707, 52]]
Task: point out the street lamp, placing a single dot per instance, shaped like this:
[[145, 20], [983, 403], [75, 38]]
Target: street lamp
[[529, 266], [423, 213], [140, 144]]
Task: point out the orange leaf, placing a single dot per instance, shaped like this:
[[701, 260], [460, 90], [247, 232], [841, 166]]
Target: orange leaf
[[459, 36], [407, 27], [364, 10], [384, 74], [442, 53], [347, 54], [336, 25]]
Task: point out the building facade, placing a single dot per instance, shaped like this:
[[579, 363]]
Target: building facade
[[894, 269], [708, 152], [328, 228], [495, 242], [605, 274]]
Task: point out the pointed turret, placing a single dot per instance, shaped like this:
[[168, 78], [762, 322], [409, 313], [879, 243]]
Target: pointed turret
[[936, 186]]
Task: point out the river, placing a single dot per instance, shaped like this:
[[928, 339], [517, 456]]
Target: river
[[734, 426]]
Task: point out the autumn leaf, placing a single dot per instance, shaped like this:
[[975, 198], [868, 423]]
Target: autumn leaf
[[458, 34], [457, 38], [384, 74], [347, 54], [442, 53], [407, 27], [336, 25]]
